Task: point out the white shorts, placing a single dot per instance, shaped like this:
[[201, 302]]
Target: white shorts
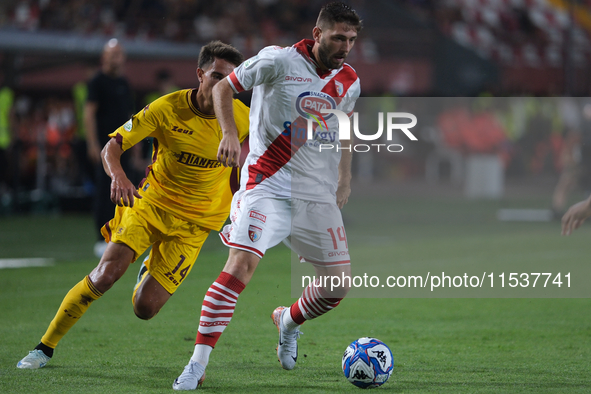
[[313, 230]]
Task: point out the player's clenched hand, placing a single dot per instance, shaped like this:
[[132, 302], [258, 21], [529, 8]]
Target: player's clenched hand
[[123, 192], [343, 193], [576, 216], [229, 151]]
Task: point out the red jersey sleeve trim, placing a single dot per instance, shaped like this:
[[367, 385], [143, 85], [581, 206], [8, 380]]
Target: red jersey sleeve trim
[[235, 83], [119, 140]]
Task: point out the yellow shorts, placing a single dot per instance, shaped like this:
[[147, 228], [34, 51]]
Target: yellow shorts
[[175, 242]]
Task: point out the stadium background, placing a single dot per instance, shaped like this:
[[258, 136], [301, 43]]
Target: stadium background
[[469, 48], [475, 49]]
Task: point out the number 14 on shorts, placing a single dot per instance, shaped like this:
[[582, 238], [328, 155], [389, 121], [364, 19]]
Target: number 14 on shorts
[[182, 273], [338, 235]]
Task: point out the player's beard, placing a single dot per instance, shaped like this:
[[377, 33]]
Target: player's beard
[[326, 57]]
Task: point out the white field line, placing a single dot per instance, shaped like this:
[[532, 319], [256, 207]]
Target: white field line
[[524, 215], [22, 263]]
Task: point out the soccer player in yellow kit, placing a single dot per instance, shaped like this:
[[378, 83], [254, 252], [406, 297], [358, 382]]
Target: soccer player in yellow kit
[[186, 194]]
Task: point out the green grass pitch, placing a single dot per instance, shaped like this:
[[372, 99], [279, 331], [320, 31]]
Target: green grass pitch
[[450, 345]]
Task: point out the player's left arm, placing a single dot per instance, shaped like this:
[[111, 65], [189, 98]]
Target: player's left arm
[[576, 216], [344, 184]]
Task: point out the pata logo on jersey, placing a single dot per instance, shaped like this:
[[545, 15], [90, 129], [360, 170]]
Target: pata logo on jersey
[[326, 126], [308, 106]]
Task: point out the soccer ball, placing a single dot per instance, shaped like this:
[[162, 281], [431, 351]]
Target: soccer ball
[[367, 363]]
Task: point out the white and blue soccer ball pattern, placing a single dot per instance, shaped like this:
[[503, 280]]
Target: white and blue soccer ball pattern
[[367, 363]]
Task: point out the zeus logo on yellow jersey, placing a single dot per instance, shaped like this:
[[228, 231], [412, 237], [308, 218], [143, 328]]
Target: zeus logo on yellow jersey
[[193, 160], [184, 131]]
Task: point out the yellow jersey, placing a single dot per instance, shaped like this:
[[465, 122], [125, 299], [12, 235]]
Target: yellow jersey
[[185, 177]]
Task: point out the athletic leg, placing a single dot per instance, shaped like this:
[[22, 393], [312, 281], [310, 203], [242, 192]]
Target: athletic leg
[[328, 252], [149, 298], [112, 266], [170, 261], [220, 300], [258, 223], [315, 301], [216, 312]]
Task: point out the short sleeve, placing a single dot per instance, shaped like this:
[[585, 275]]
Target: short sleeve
[[140, 126], [260, 69]]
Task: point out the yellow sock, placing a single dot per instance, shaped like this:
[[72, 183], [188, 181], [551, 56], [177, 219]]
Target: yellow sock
[[75, 303]]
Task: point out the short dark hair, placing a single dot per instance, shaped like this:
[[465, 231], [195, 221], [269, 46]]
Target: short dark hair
[[336, 12], [217, 49]]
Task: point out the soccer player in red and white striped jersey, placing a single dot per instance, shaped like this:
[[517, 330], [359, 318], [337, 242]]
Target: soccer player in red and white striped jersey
[[291, 191]]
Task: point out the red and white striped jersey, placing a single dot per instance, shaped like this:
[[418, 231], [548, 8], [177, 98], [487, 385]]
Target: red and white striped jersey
[[287, 83]]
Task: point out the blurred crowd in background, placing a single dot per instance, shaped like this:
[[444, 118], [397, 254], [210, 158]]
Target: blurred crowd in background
[[43, 167], [529, 32], [263, 22], [532, 32]]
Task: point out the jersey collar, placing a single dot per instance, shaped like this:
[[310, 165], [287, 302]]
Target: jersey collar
[[192, 101], [304, 47]]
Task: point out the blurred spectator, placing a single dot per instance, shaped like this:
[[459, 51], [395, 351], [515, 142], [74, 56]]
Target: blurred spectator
[[59, 132], [6, 140], [85, 174], [471, 130], [165, 84], [31, 122], [108, 106], [570, 154], [585, 180]]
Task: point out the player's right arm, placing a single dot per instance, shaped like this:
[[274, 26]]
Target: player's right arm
[[122, 190], [223, 104], [263, 68], [146, 123]]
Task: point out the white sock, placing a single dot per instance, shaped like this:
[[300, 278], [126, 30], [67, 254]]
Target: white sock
[[288, 321], [201, 354]]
